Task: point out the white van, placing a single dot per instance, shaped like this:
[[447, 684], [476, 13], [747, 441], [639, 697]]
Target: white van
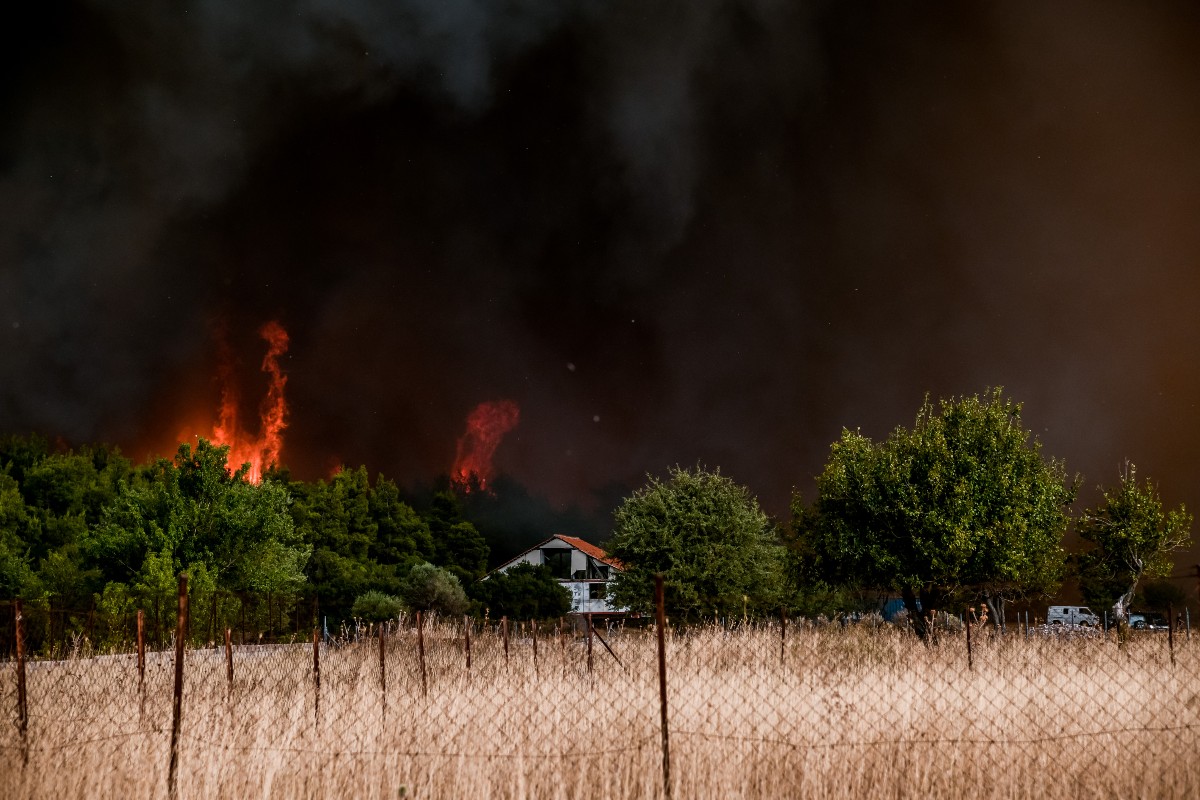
[[1072, 615]]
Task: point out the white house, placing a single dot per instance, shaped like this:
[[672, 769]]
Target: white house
[[582, 567]]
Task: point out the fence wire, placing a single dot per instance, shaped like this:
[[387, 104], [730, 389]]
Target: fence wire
[[445, 708]]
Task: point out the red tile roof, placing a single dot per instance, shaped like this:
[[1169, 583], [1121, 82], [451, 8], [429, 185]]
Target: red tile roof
[[587, 548], [591, 550]]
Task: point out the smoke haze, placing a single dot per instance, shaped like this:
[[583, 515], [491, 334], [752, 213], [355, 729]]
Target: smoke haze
[[708, 232]]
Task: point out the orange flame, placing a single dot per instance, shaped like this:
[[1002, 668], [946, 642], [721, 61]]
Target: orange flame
[[263, 451], [486, 426]]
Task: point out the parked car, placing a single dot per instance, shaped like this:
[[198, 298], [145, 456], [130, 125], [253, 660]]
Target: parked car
[[1072, 616], [1148, 622]]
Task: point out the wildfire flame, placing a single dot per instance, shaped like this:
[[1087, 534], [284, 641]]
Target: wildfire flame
[[261, 451], [486, 426]]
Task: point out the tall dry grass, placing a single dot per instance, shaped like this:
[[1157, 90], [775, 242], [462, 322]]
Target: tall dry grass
[[856, 712]]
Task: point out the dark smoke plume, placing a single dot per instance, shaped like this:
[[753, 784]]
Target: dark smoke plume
[[676, 232]]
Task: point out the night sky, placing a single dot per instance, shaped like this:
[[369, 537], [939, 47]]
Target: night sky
[[672, 233]]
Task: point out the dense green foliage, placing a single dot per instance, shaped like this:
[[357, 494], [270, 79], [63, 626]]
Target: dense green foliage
[[1131, 537], [1160, 595], [718, 552], [961, 501], [960, 508], [458, 545], [376, 606], [525, 591], [88, 531], [430, 588]]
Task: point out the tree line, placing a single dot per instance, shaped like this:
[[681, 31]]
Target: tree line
[[960, 508], [86, 529]]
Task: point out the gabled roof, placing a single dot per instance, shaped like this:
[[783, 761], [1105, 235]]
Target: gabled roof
[[573, 541], [590, 549]]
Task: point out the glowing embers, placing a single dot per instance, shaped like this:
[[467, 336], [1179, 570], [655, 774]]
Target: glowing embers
[[261, 451], [486, 427]]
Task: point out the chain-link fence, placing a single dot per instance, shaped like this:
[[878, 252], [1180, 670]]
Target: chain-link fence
[[451, 708]]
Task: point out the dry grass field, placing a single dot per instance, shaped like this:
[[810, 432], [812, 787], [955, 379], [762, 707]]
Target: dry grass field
[[855, 712]]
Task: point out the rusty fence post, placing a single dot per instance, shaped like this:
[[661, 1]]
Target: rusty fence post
[[1171, 631], [316, 642], [467, 630], [382, 670], [589, 642], [142, 654], [229, 659], [181, 626], [661, 623], [970, 658], [504, 634], [22, 698], [421, 653], [782, 636], [562, 645], [533, 629], [142, 667], [212, 619]]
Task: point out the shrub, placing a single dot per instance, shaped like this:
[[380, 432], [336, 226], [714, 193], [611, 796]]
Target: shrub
[[525, 591], [376, 606], [430, 588]]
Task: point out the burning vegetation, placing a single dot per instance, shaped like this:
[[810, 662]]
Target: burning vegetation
[[486, 427], [263, 450]]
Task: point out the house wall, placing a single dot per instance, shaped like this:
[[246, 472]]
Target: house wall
[[579, 559], [534, 557], [580, 604]]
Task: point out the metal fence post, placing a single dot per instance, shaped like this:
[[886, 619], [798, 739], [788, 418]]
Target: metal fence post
[[589, 642], [22, 699], [177, 709], [504, 634], [533, 630], [421, 652], [382, 670], [142, 666], [970, 659], [316, 641], [1171, 631], [229, 660], [467, 629], [782, 635], [661, 620], [141, 649], [212, 619]]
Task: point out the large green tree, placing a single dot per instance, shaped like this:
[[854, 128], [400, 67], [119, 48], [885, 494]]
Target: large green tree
[[458, 546], [334, 518], [192, 513], [525, 591], [364, 538], [1131, 537], [16, 570], [716, 549], [429, 588], [963, 500], [62, 493]]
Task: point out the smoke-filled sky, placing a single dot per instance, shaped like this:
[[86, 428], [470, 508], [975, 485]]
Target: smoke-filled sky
[[682, 232]]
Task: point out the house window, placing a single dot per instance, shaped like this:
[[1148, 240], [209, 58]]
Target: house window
[[597, 591], [559, 562]]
